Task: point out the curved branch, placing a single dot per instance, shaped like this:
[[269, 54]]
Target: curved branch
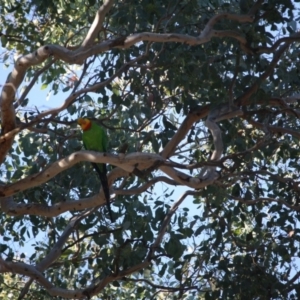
[[251, 202], [271, 49], [145, 186], [55, 252], [35, 209], [221, 112], [167, 221], [79, 55], [33, 272], [26, 270], [7, 97], [275, 129], [32, 82], [9, 206], [97, 24], [193, 116], [128, 163], [245, 97]]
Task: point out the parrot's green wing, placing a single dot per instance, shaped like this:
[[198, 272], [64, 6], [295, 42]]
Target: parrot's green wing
[[104, 140]]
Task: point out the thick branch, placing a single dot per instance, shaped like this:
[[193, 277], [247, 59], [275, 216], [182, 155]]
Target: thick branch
[[17, 209], [9, 206], [97, 24], [32, 272], [191, 118], [78, 56], [26, 270], [128, 163]]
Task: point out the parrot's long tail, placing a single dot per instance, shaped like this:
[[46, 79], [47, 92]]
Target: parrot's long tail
[[104, 183]]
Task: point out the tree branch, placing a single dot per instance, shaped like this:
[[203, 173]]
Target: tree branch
[[32, 82], [192, 117], [252, 202], [35, 209], [145, 186], [167, 221], [243, 98], [7, 97], [162, 287], [97, 24], [275, 129], [127, 163], [55, 252]]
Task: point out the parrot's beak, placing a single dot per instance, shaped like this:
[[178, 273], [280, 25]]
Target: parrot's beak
[[80, 121], [85, 124]]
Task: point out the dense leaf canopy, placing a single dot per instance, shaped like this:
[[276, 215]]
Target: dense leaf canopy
[[205, 203]]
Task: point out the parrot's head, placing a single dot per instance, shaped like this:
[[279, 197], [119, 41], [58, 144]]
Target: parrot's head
[[84, 123]]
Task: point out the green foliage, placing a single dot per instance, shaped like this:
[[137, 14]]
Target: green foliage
[[237, 238]]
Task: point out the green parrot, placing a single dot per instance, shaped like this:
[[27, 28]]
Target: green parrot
[[95, 139]]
